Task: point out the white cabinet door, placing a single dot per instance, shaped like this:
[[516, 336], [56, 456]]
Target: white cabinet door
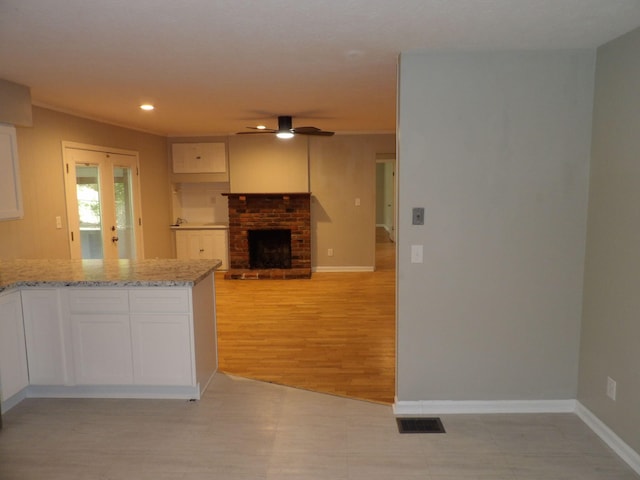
[[203, 244], [45, 337], [207, 244], [10, 192], [199, 158], [101, 335], [161, 336], [14, 375], [161, 349], [102, 349], [220, 247], [188, 245]]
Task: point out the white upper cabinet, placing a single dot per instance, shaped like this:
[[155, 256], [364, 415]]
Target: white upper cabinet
[[10, 193], [199, 158]]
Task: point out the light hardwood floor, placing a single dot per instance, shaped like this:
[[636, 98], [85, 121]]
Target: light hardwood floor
[[334, 333]]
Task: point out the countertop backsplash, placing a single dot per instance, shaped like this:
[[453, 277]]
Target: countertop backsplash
[[201, 203]]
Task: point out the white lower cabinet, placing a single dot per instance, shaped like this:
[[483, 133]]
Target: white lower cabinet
[[101, 336], [14, 375], [102, 349], [161, 349], [113, 341], [161, 336], [45, 337], [139, 336], [203, 244]]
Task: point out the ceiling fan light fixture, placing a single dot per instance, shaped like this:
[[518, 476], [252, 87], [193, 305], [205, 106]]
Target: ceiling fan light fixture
[[284, 127]]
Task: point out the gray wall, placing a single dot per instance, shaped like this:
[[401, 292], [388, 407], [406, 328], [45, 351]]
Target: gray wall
[[495, 147], [610, 343]]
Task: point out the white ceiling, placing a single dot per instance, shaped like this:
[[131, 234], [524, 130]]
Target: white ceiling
[[216, 66]]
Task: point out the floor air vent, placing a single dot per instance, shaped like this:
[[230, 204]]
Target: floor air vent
[[420, 425]]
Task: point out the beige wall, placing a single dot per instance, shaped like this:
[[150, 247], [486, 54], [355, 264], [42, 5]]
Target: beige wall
[[40, 152], [343, 169], [610, 343], [267, 164], [15, 104], [495, 147]]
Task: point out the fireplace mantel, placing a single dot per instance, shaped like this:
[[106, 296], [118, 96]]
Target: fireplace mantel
[[269, 211], [283, 195]]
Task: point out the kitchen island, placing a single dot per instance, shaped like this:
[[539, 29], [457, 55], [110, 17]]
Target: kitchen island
[[101, 328]]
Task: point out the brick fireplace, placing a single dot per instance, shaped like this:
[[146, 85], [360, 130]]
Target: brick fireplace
[[255, 212]]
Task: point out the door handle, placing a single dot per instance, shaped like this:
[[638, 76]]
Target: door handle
[[114, 239]]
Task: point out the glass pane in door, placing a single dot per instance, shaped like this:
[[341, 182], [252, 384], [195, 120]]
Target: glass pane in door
[[125, 219], [89, 211]]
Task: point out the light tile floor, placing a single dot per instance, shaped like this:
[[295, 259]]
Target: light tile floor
[[243, 429]]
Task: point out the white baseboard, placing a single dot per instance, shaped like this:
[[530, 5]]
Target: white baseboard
[[113, 391], [428, 407], [342, 269], [12, 401], [607, 435]]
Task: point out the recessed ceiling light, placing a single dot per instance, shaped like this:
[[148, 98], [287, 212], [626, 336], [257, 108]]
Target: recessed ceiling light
[[261, 127], [147, 107]]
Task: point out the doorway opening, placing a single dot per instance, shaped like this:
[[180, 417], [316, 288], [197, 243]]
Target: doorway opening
[[385, 211]]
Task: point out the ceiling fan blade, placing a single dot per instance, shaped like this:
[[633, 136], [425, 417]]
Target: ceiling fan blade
[[312, 131], [285, 126], [258, 130]]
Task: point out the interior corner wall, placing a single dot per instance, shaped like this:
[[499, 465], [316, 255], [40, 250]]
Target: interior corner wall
[[495, 146], [343, 169], [41, 172], [610, 340]]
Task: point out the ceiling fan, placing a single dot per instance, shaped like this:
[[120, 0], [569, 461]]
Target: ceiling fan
[[286, 130]]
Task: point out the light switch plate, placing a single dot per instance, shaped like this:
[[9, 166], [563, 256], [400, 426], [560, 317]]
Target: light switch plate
[[417, 216]]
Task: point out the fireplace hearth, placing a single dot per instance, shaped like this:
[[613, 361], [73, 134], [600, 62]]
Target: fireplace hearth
[[283, 220]]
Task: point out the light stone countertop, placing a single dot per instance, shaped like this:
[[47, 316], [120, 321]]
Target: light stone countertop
[[104, 273]]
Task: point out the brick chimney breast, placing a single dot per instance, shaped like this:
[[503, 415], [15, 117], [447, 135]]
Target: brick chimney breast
[[269, 211]]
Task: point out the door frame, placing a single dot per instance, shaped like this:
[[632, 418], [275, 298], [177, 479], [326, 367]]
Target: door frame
[[390, 158], [68, 188]]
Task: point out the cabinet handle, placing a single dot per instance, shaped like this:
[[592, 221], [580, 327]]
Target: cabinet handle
[[201, 250]]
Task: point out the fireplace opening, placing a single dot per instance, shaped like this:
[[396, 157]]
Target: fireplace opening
[[269, 249]]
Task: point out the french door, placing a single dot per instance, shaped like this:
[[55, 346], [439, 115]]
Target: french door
[[103, 202]]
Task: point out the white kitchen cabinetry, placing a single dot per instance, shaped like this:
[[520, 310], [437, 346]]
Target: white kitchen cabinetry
[[101, 336], [203, 244], [140, 336], [44, 334], [14, 375], [161, 336], [10, 192], [199, 158]]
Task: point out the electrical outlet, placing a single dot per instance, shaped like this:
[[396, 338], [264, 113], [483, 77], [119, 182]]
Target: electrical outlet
[[611, 388], [357, 202], [330, 252], [58, 222]]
